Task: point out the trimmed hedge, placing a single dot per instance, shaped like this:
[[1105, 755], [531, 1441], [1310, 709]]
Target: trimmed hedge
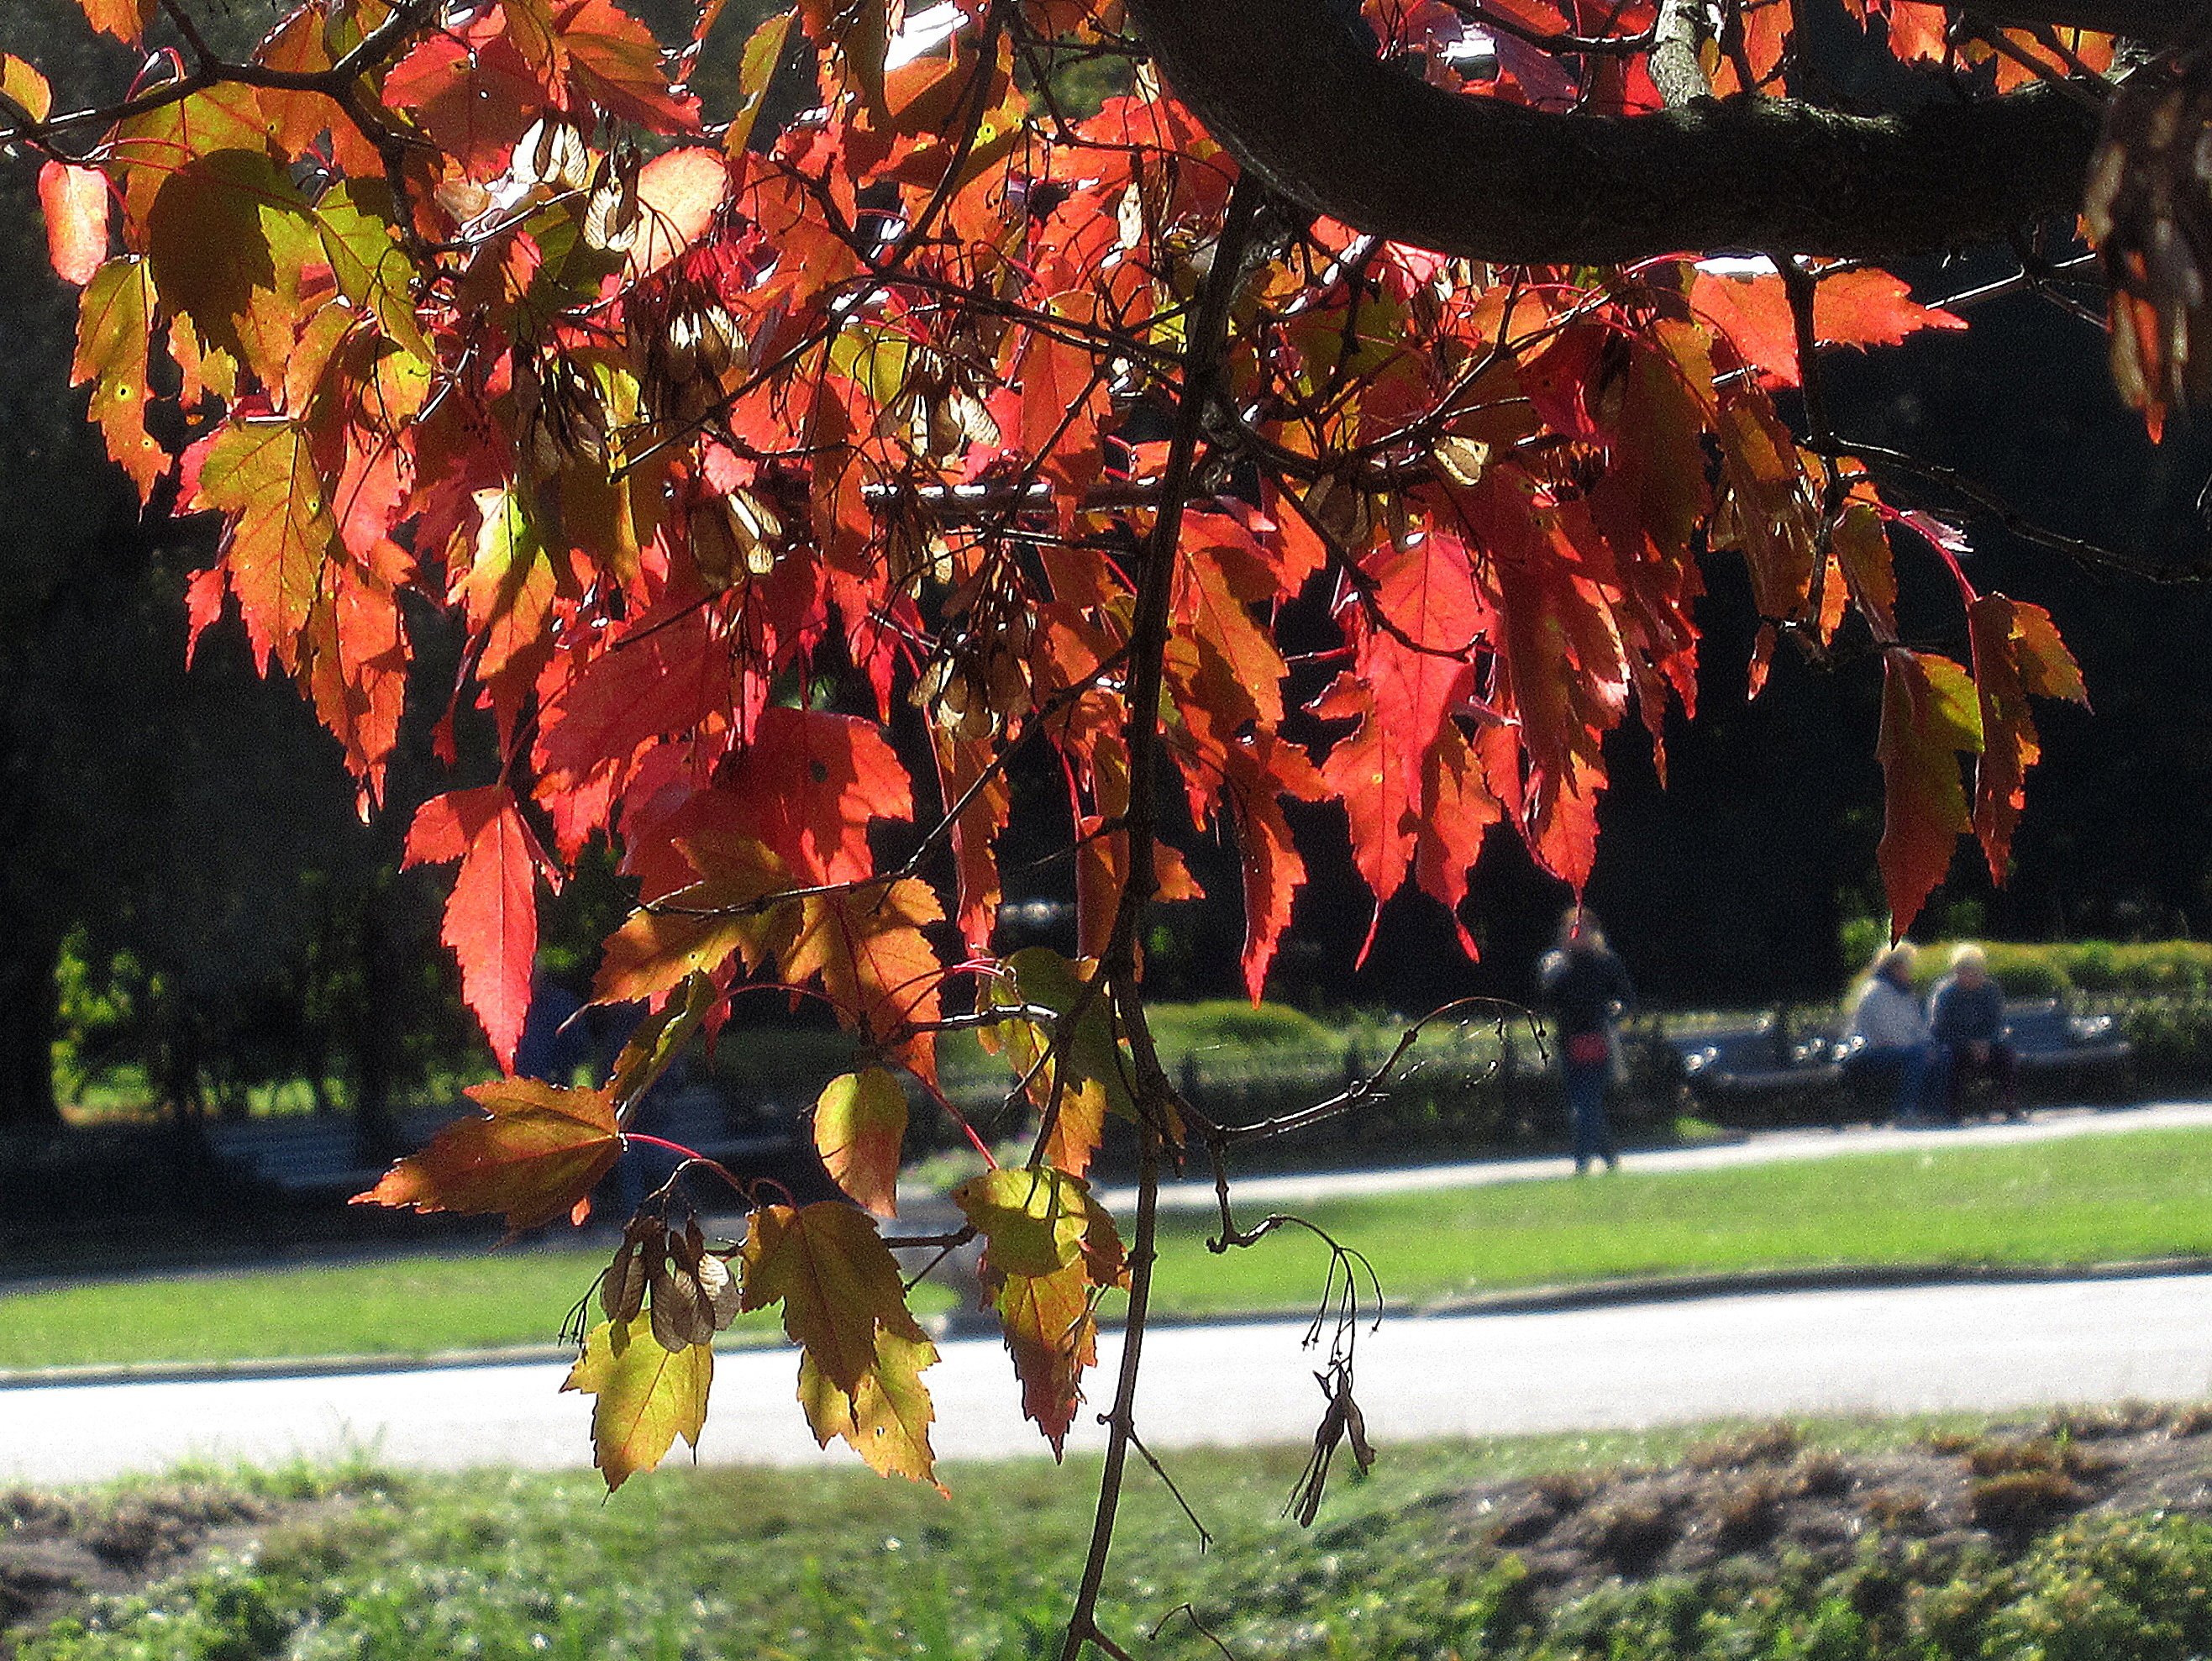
[[2061, 968]]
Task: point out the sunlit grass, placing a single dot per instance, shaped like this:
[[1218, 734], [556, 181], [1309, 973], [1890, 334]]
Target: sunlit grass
[[2145, 1194]]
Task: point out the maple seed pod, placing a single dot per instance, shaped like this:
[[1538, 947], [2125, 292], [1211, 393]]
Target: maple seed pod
[[721, 345], [755, 519], [622, 1285], [553, 153], [721, 1287], [1339, 508], [679, 348], [1462, 460], [681, 1316], [692, 1297], [716, 547], [611, 216]]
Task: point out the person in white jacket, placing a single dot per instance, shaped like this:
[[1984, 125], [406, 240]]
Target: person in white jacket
[[1891, 1043]]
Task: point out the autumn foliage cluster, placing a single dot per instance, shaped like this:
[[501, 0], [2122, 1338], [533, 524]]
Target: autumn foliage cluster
[[796, 484]]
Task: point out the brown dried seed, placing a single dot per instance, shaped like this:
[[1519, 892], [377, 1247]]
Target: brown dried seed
[[721, 1288], [621, 1286], [682, 1316]]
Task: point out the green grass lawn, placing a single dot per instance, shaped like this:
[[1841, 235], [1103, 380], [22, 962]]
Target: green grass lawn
[[2084, 1199], [2081, 1199], [409, 1305], [840, 1565]]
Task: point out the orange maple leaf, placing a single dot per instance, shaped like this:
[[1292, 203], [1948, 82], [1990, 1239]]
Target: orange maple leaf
[[536, 1155]]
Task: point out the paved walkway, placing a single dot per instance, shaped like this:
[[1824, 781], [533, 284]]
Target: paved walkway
[[1761, 1148], [1898, 1350]]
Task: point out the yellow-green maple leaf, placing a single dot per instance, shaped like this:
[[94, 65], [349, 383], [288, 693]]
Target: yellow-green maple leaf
[[647, 1395]]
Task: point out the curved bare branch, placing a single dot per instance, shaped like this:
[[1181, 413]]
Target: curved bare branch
[[1301, 100]]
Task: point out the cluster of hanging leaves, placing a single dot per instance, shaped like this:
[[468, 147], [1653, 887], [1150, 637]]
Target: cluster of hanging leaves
[[788, 484]]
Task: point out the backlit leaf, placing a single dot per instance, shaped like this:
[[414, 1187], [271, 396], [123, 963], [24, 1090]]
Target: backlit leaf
[[885, 1417], [869, 953], [228, 235], [657, 1040], [475, 101], [859, 1123], [647, 1396], [1930, 716], [536, 1155], [1034, 1220], [372, 270], [492, 916], [1049, 1248], [260, 472], [616, 64], [1862, 308], [126, 19], [114, 318], [756, 68], [1053, 1335], [150, 148], [660, 948], [1076, 1077], [21, 84], [679, 193], [2017, 652], [843, 1301], [77, 208]]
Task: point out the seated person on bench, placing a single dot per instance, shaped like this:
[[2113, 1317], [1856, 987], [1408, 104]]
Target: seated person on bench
[[1966, 1015], [1895, 1048]]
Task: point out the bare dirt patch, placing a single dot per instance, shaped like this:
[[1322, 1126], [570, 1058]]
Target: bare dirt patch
[[1761, 1495], [58, 1550]]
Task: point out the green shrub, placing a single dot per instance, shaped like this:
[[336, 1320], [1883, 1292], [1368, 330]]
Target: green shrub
[[2024, 971], [2172, 1041], [2132, 1588], [1232, 1024], [2057, 968], [2168, 966]]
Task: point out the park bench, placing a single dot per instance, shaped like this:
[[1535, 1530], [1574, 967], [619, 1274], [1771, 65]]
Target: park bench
[[311, 1156], [319, 1156], [1767, 1073]]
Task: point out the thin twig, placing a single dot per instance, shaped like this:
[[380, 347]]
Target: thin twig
[[2090, 555], [1202, 356], [1205, 1534]]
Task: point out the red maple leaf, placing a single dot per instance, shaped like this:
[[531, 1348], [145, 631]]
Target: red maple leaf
[[492, 916]]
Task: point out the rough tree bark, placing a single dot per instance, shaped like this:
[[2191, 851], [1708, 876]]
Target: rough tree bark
[[1301, 99]]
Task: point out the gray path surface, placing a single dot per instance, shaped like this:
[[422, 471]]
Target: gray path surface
[[1826, 1352], [1761, 1148]]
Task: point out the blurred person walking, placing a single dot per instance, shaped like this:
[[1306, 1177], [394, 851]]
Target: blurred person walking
[[1966, 1015], [1582, 985]]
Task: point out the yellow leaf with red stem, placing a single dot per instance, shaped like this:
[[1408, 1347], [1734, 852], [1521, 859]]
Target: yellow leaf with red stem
[[1049, 1246], [2017, 652], [114, 318], [260, 471]]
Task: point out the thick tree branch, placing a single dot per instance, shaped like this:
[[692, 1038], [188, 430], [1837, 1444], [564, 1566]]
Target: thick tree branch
[[1302, 101]]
